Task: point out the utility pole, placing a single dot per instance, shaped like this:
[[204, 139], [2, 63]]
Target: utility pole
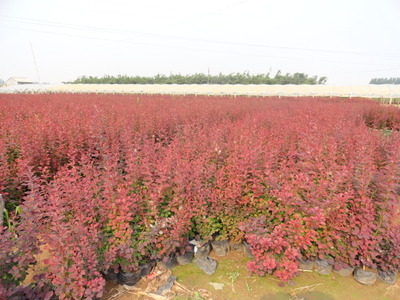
[[208, 76], [34, 59]]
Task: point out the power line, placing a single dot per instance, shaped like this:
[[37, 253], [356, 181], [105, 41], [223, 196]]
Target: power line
[[212, 12], [34, 59], [188, 48], [153, 35], [364, 71]]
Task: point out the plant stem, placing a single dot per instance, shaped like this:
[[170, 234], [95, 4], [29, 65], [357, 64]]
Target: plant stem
[[1, 210]]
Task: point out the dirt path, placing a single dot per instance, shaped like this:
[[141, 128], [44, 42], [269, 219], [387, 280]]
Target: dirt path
[[232, 281]]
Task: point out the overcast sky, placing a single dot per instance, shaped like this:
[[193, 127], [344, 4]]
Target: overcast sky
[[349, 41]]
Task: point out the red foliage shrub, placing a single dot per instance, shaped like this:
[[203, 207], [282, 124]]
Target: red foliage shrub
[[109, 182]]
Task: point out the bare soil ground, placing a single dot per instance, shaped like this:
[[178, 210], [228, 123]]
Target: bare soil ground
[[233, 281]]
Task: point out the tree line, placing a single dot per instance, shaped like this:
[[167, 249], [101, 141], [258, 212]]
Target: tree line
[[201, 78], [393, 80]]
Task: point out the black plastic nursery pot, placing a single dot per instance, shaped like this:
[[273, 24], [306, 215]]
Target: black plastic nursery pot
[[388, 277], [131, 278], [247, 250], [306, 264], [186, 257], [347, 271], [236, 246], [111, 275], [323, 266], [203, 248], [147, 268], [207, 264], [169, 262], [365, 276], [221, 248]]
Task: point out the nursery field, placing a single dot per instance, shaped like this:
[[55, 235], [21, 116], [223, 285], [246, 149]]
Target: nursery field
[[101, 188]]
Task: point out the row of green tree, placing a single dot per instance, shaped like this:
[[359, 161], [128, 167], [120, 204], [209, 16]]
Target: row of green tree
[[393, 80], [201, 78]]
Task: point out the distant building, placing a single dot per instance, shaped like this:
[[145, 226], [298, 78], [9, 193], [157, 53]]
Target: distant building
[[18, 81]]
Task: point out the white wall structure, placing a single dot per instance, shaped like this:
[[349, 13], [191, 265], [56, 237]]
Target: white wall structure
[[367, 91], [18, 81]]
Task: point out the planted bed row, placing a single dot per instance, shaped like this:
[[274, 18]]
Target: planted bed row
[[109, 184]]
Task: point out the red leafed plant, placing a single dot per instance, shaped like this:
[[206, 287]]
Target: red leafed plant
[[106, 183], [277, 245]]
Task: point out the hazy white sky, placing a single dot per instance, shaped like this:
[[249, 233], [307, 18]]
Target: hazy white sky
[[349, 41]]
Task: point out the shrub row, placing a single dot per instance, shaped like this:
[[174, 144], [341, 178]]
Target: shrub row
[[107, 183]]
